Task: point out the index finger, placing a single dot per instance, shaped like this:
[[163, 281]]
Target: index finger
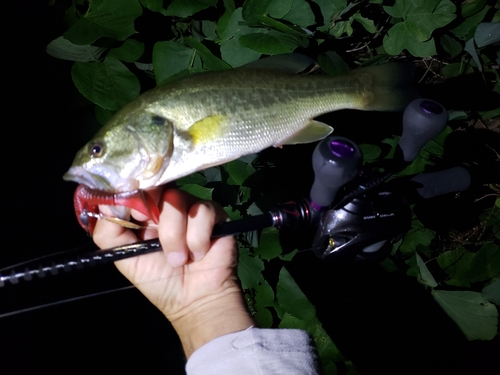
[[108, 234]]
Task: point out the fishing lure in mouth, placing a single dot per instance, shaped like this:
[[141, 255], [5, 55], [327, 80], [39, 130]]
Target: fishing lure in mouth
[[86, 201]]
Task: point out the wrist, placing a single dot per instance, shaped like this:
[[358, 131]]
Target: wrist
[[212, 317]]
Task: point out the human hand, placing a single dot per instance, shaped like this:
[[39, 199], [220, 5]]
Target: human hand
[[193, 281]]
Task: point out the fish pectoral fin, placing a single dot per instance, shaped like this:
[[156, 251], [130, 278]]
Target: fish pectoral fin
[[314, 131], [207, 129]]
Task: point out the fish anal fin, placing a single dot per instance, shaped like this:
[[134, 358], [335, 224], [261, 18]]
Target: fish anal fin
[[207, 129], [314, 131]]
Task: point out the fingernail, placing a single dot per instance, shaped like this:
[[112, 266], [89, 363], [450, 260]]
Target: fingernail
[[176, 259], [197, 255]]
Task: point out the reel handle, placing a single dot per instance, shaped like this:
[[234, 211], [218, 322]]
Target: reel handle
[[423, 120], [336, 161]]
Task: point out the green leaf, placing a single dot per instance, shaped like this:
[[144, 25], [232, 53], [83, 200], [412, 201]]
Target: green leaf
[[471, 48], [491, 292], [249, 269], [330, 10], [299, 12], [264, 294], [421, 18], [465, 30], [487, 33], [170, 58], [62, 48], [457, 115], [230, 48], [365, 22], [225, 18], [292, 299], [393, 143], [108, 84], [129, 51], [102, 115], [333, 64], [450, 45], [263, 318], [430, 16], [269, 244], [254, 209], [270, 42], [232, 213], [280, 26], [212, 174], [425, 277], [487, 115], [432, 151], [486, 263], [110, 18], [153, 5], [327, 350], [476, 317], [252, 238], [239, 171], [417, 235], [342, 27], [413, 269], [209, 60], [456, 263], [194, 179], [288, 257], [388, 265], [264, 297], [471, 7], [399, 37], [209, 30], [370, 152], [456, 69], [186, 8], [252, 8], [198, 191]]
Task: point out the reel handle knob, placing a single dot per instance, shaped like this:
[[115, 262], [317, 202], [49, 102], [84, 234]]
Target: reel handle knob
[[336, 161], [423, 120]]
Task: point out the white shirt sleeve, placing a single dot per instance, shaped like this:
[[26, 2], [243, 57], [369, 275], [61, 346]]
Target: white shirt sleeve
[[256, 351]]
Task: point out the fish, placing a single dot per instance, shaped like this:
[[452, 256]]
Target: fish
[[210, 118]]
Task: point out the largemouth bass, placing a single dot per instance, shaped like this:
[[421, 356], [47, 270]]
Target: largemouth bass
[[211, 118]]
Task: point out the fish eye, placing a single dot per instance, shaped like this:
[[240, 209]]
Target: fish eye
[[158, 120], [96, 149]]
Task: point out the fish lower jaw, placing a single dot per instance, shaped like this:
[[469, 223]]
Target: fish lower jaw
[[96, 182]]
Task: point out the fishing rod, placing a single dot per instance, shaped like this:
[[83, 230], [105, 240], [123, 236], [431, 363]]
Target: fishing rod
[[358, 213]]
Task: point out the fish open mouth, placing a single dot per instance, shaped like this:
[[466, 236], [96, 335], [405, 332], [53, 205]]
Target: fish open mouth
[[93, 181]]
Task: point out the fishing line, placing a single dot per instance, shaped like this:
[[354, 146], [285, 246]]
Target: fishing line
[[60, 302], [96, 294]]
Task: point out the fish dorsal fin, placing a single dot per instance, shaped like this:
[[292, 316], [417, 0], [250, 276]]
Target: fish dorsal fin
[[293, 63], [314, 131]]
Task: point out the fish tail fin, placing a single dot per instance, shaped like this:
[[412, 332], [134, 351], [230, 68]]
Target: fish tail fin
[[388, 87]]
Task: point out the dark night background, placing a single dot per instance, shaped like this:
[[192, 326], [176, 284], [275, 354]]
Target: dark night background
[[385, 323]]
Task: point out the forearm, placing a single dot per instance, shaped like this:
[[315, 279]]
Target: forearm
[[214, 316]]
